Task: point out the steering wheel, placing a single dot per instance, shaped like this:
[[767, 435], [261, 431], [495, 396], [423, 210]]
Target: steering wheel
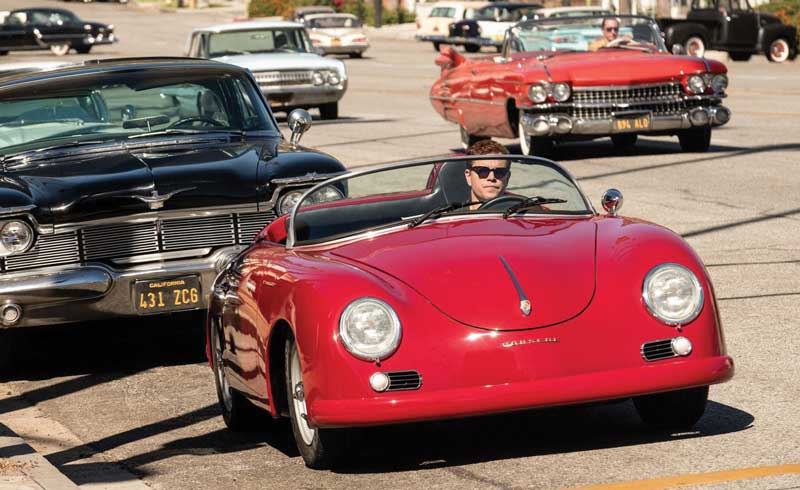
[[501, 202], [617, 42], [210, 121]]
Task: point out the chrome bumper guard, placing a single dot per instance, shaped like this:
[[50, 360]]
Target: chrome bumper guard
[[296, 95], [564, 124], [94, 291]]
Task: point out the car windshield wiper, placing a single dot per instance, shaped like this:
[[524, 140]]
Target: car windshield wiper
[[178, 131], [529, 203], [436, 212]]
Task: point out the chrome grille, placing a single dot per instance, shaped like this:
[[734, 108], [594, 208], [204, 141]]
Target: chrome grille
[[48, 250], [663, 99], [657, 349], [186, 233], [120, 240], [404, 380], [251, 225], [300, 77]]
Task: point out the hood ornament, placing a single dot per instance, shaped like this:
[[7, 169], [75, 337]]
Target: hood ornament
[[156, 200], [524, 302]]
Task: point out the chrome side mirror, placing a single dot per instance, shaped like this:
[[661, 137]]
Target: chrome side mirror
[[612, 201], [299, 121]]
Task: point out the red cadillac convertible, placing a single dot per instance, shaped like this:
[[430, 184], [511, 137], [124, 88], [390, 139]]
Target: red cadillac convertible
[[404, 302], [560, 79]]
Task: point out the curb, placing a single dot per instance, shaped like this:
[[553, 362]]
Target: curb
[[25, 468]]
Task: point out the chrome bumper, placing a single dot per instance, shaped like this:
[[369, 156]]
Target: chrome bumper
[[347, 48], [100, 39], [303, 95], [555, 124], [96, 291]]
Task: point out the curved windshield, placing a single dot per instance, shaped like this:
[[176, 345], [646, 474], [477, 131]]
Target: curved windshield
[[250, 41], [587, 34], [118, 106], [334, 22], [419, 193]]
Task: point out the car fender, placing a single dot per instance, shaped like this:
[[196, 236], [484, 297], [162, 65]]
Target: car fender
[[679, 33], [770, 32]]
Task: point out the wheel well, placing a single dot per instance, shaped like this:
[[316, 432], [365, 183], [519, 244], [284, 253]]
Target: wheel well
[[277, 367], [513, 116]]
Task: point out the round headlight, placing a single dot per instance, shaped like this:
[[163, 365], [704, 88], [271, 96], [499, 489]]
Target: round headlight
[[333, 78], [318, 78], [560, 91], [15, 237], [537, 93], [719, 83], [369, 329], [326, 194], [673, 294], [288, 200], [696, 84]]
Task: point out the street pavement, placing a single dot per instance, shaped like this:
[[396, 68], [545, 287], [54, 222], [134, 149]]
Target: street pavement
[[129, 404]]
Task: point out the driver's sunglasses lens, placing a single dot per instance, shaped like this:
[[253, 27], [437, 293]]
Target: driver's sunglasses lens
[[483, 172], [612, 29]]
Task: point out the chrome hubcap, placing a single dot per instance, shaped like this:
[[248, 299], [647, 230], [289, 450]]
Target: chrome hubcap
[[779, 50], [299, 400]]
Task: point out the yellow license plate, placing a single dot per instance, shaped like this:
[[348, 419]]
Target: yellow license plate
[[161, 295], [638, 123], [336, 41]]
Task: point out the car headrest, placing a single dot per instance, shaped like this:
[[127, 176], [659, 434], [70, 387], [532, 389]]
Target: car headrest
[[450, 179]]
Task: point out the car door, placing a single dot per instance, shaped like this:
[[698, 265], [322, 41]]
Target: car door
[[13, 32], [53, 28], [742, 24]]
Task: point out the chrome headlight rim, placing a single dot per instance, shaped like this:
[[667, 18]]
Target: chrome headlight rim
[[290, 199], [5, 250], [332, 78], [719, 83], [698, 81], [349, 343], [561, 91], [537, 92], [651, 308], [318, 78], [284, 201]]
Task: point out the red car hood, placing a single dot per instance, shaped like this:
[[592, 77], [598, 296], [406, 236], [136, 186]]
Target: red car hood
[[629, 67], [457, 267]]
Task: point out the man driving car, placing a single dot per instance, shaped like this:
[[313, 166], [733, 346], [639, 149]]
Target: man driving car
[[487, 179], [610, 30]]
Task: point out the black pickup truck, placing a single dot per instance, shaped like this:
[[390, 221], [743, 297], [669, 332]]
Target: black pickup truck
[[732, 26]]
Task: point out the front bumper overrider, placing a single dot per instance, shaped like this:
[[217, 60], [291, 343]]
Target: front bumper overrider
[[94, 291]]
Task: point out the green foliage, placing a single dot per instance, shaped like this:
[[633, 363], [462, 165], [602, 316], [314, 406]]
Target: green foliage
[[786, 10], [365, 10]]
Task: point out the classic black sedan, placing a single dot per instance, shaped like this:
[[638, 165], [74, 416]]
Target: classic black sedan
[[58, 30], [127, 185]]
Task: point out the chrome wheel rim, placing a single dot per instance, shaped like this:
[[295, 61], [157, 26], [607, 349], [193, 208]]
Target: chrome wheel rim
[[695, 47], [524, 140], [299, 401], [59, 49], [222, 380], [779, 50]]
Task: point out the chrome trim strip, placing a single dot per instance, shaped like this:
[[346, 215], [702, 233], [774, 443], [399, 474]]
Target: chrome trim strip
[[180, 254], [469, 101], [162, 215], [601, 105], [524, 302], [16, 210], [600, 88]]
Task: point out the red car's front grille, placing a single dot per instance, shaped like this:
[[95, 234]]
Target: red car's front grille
[[604, 102]]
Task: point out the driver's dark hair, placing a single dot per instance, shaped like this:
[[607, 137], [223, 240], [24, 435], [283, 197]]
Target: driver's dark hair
[[486, 147], [606, 19]]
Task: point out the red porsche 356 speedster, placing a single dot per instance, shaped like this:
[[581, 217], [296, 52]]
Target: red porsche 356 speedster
[[404, 302], [568, 79]]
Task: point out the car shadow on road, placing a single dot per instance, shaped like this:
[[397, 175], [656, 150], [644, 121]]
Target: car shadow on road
[[415, 447]]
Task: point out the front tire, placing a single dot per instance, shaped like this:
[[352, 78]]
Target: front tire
[[674, 410], [3, 53], [779, 50], [533, 146], [695, 46], [59, 49], [740, 56], [695, 140], [83, 49], [436, 46], [357, 54], [318, 447], [238, 413], [472, 48], [329, 111]]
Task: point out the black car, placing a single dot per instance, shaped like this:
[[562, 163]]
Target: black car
[[58, 30], [488, 26], [127, 185], [732, 26]]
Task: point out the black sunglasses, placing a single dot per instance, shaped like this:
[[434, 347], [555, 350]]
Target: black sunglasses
[[612, 29], [483, 172]]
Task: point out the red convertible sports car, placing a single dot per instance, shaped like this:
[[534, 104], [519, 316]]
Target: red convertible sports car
[[582, 78], [404, 302]]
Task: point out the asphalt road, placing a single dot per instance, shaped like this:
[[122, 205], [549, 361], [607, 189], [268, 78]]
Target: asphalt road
[[136, 392]]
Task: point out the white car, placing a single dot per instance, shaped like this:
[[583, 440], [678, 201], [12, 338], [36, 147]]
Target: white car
[[436, 27], [337, 33], [280, 54]]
